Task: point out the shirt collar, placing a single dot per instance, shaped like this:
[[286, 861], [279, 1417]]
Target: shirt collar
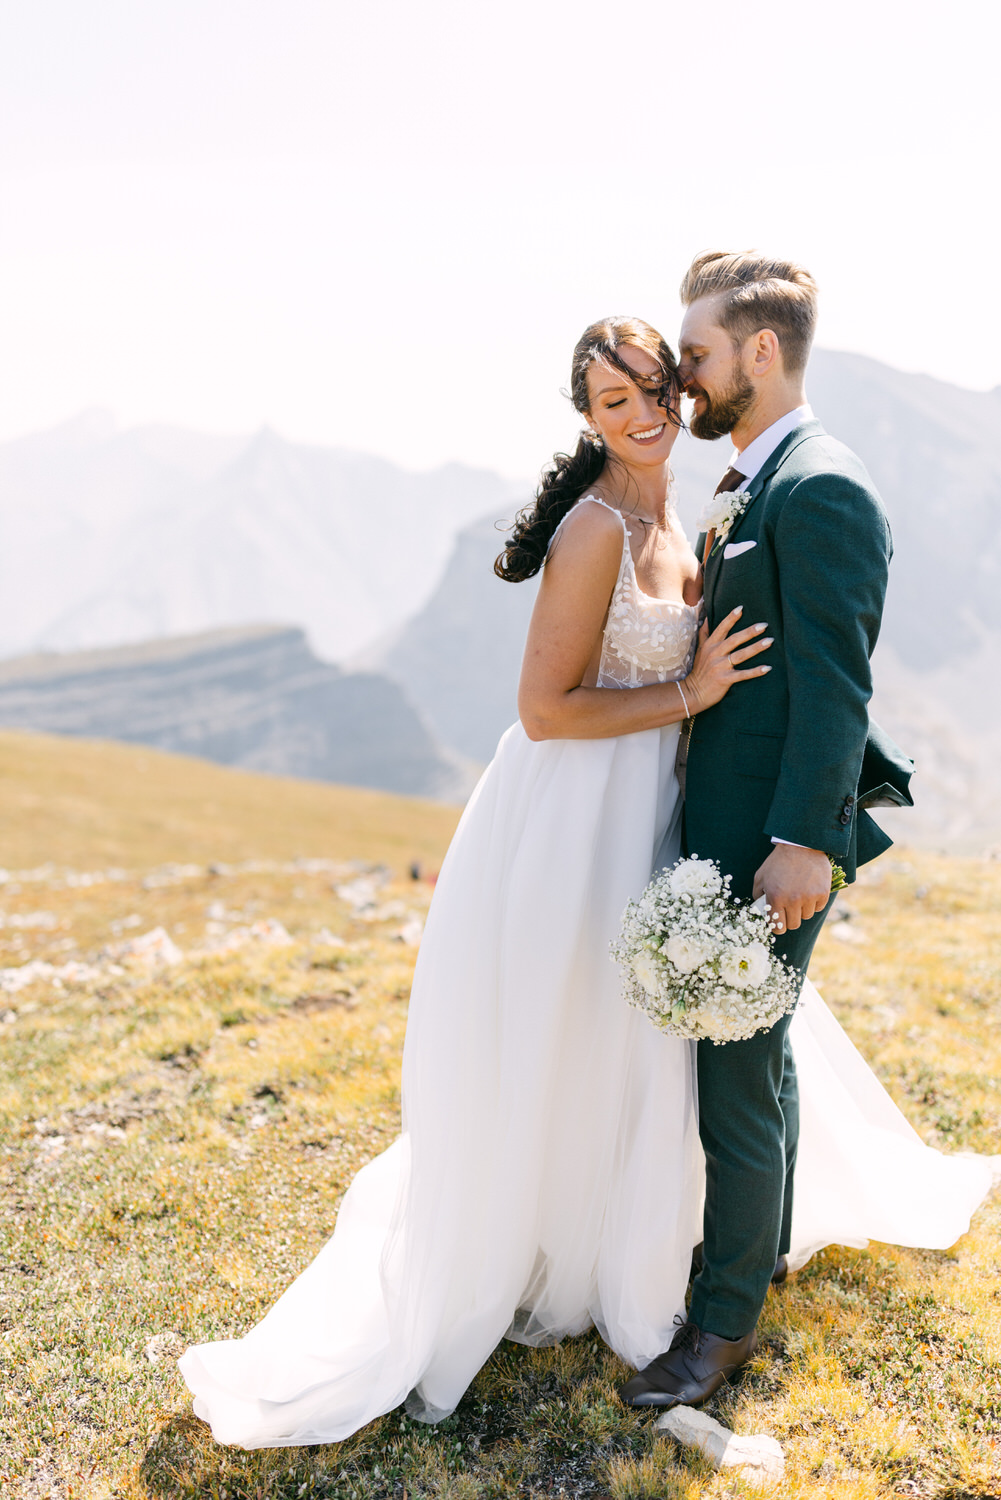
[[756, 454]]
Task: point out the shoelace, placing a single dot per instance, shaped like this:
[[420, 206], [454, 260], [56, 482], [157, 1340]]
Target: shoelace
[[688, 1336]]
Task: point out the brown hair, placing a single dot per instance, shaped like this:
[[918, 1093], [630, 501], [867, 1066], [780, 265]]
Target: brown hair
[[760, 291], [570, 475]]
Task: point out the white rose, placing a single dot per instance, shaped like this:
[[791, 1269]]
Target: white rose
[[714, 512], [695, 877], [686, 955], [647, 972], [745, 968]]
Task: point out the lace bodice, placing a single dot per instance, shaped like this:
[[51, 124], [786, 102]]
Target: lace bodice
[[646, 640]]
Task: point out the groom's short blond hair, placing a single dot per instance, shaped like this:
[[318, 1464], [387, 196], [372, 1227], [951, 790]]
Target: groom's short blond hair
[[758, 291]]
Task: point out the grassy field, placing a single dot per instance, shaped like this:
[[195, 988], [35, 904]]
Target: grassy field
[[180, 1119]]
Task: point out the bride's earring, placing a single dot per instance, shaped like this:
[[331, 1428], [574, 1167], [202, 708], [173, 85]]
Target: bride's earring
[[595, 438]]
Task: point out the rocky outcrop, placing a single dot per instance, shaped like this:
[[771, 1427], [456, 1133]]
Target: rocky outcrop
[[255, 697]]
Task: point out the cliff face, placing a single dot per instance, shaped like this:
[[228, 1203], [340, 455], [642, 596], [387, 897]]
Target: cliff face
[[255, 697]]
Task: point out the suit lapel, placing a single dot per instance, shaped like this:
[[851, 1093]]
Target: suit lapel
[[772, 464]]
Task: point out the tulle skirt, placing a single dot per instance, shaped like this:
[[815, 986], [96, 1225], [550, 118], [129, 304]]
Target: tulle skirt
[[549, 1175]]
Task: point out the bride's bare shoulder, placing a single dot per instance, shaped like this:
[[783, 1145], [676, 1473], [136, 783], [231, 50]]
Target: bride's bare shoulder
[[590, 533]]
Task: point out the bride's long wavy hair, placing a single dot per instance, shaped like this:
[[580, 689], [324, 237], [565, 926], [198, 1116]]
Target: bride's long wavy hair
[[570, 475]]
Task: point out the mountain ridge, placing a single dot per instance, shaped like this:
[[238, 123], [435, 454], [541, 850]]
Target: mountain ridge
[[254, 697]]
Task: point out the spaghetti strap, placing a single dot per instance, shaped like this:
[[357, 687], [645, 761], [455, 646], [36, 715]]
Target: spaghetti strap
[[597, 501]]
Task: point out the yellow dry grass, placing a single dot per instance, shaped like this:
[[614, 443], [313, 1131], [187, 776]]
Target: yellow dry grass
[[88, 803], [175, 1143]]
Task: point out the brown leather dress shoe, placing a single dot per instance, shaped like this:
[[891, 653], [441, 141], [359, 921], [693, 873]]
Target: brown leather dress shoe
[[696, 1364]]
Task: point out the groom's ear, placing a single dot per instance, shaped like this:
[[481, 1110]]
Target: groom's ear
[[765, 351]]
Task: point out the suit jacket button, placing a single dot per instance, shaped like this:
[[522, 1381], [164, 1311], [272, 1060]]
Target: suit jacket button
[[846, 818], [849, 801]]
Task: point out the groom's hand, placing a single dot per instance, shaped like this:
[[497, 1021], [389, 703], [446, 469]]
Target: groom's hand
[[796, 883]]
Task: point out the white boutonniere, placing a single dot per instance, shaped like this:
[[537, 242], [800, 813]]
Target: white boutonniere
[[722, 512]]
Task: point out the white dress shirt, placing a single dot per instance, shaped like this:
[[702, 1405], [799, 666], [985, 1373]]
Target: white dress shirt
[[752, 461], [756, 454]]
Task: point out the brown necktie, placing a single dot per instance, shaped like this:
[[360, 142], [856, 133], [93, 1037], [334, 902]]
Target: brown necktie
[[731, 481]]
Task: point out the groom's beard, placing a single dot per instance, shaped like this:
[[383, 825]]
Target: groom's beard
[[724, 410]]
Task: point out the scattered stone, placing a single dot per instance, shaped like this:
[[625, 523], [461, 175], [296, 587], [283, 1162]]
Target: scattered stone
[[41, 1483], [42, 920], [269, 932], [12, 980], [163, 1347], [102, 1132], [346, 998], [49, 1148], [156, 949], [327, 939], [168, 875], [762, 1456], [124, 924], [411, 932], [361, 894]]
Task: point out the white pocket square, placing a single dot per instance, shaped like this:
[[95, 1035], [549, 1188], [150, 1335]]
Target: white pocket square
[[734, 549]]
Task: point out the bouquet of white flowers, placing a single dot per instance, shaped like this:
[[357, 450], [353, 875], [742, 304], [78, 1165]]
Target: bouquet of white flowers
[[699, 962]]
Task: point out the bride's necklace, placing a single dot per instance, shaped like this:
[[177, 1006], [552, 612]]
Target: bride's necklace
[[663, 522]]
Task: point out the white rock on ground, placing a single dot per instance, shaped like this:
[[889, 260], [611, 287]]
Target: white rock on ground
[[762, 1456], [155, 949], [164, 1346], [411, 932], [12, 980]]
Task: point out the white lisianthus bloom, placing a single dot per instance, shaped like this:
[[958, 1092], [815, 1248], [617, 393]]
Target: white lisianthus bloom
[[746, 967], [719, 513], [647, 972], [685, 954], [714, 512], [695, 877]]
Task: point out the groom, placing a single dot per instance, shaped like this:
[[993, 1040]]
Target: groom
[[777, 779]]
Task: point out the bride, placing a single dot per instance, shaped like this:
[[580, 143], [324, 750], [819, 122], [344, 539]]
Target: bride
[[549, 1174]]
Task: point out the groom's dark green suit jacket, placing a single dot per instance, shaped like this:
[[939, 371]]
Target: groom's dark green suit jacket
[[792, 754]]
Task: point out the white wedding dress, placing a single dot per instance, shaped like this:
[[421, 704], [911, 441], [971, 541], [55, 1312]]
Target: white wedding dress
[[549, 1174]]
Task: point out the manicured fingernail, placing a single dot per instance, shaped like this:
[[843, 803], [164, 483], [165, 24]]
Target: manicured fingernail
[[769, 640], [762, 625], [739, 610], [766, 669]]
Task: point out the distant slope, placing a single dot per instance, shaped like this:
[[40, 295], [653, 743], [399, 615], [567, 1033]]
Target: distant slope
[[88, 805], [110, 536], [254, 697]]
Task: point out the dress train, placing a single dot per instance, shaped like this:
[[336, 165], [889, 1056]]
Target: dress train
[[549, 1174]]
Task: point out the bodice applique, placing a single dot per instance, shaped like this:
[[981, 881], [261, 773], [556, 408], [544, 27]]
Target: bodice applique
[[646, 640]]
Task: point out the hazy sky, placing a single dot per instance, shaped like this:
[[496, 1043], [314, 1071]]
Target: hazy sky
[[384, 224]]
